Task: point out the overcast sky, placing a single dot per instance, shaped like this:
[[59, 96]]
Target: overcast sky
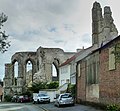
[[62, 24]]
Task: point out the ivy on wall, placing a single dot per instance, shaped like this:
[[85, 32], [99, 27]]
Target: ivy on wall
[[117, 53]]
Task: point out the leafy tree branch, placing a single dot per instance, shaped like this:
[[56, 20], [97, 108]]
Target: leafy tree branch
[[4, 43]]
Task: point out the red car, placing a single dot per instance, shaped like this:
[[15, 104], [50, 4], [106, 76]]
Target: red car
[[23, 98]]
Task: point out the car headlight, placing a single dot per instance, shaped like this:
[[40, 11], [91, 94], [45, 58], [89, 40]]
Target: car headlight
[[61, 101]]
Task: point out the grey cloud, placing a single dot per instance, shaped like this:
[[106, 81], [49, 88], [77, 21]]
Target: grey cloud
[[24, 15], [86, 38], [51, 28], [69, 27], [58, 41]]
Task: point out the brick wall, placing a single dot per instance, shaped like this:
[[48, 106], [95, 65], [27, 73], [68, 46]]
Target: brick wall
[[81, 84], [109, 80]]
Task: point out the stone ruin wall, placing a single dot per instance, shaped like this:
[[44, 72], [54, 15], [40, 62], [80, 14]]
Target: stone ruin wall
[[41, 60], [103, 27], [47, 57]]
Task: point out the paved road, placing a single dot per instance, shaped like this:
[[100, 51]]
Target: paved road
[[19, 107], [42, 107], [77, 107]]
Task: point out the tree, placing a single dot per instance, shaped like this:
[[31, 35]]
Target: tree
[[4, 44]]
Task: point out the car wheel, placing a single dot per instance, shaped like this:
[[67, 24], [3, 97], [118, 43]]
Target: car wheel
[[58, 105], [38, 101], [49, 101], [73, 104], [33, 102]]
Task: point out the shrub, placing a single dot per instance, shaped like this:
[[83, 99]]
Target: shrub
[[37, 86], [7, 98], [27, 93], [71, 89], [113, 107], [52, 85]]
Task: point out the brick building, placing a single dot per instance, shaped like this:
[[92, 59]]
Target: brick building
[[109, 73], [98, 72]]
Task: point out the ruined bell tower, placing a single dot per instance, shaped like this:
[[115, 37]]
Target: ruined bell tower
[[103, 28]]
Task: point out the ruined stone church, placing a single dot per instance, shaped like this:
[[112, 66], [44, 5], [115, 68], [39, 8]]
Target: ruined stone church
[[41, 60]]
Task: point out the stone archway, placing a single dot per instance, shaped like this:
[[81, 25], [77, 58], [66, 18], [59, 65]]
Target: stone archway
[[45, 58], [21, 58], [15, 72], [56, 65], [41, 60]]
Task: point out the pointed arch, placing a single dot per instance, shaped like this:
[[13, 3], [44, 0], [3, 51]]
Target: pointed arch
[[55, 70], [15, 71]]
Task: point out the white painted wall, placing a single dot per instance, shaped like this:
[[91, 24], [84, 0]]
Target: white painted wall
[[73, 78], [51, 93], [73, 72], [64, 75]]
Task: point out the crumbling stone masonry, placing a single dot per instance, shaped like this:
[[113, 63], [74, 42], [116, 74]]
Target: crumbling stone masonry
[[103, 28], [41, 60]]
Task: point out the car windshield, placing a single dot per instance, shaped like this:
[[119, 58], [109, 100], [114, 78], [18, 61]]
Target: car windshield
[[20, 96], [14, 96], [66, 96], [42, 95]]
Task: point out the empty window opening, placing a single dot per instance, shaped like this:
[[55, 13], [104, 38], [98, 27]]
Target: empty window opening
[[29, 72], [29, 66], [54, 71], [15, 73], [16, 69]]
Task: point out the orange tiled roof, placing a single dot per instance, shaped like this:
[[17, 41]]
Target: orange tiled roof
[[71, 59]]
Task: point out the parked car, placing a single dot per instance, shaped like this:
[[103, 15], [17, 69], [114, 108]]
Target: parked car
[[64, 99], [14, 98], [40, 98], [23, 98]]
